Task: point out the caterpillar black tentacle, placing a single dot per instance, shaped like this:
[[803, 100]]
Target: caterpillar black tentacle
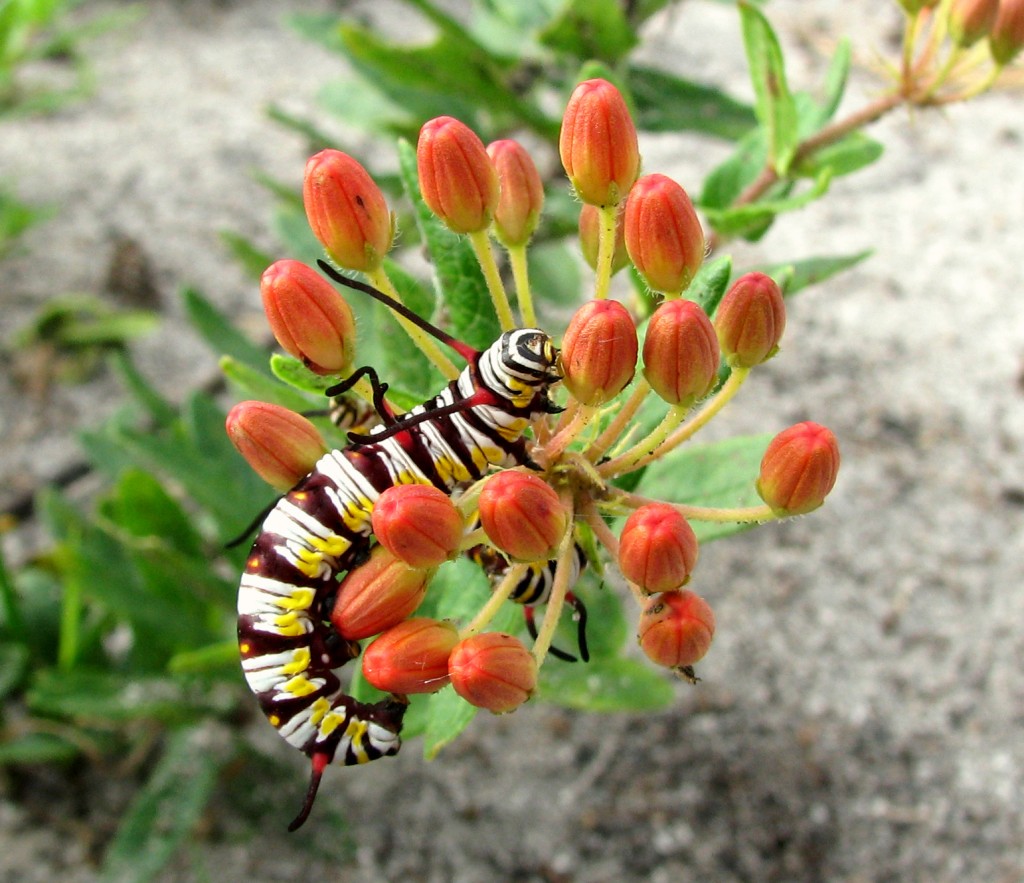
[[320, 529]]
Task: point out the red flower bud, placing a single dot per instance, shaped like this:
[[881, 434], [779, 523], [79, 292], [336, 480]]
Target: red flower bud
[[970, 20], [676, 629], [1007, 37], [598, 143], [457, 178], [590, 232], [308, 317], [750, 320], [347, 211], [681, 353], [599, 351], [280, 445], [411, 657], [799, 469], [418, 524], [663, 235], [658, 548], [378, 594], [522, 516], [493, 671], [522, 193]]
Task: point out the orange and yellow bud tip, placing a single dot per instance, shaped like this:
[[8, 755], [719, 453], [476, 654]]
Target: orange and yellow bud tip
[[681, 353], [750, 320], [280, 445], [799, 469], [493, 671], [657, 549], [522, 516], [411, 657], [599, 351]]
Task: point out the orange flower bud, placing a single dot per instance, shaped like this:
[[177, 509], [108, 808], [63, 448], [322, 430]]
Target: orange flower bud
[[411, 657], [379, 593], [599, 351], [493, 671], [308, 317], [418, 524], [590, 233], [457, 178], [598, 143], [522, 516], [970, 20], [663, 235], [750, 320], [280, 445], [658, 548], [681, 353], [522, 193], [799, 469], [1007, 37], [347, 211], [676, 629]]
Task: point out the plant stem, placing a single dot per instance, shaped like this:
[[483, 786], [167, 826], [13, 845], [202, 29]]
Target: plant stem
[[427, 345], [521, 276], [482, 248], [614, 429], [605, 250], [559, 589], [498, 597]]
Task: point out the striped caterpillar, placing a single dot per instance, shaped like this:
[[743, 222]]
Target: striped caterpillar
[[321, 529]]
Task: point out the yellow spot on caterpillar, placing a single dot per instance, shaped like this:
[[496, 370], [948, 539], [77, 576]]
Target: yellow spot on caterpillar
[[275, 721], [288, 625], [330, 723], [309, 562], [299, 599], [253, 563], [299, 663], [244, 648], [356, 731], [299, 496], [334, 545], [300, 685], [317, 710]]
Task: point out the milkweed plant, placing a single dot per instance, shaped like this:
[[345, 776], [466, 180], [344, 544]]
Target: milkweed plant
[[568, 574]]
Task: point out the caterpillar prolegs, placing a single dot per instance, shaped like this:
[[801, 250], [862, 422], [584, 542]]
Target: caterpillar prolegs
[[321, 528]]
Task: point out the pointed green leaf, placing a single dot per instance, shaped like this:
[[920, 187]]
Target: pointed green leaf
[[774, 106], [214, 327], [605, 685], [260, 386], [666, 103], [750, 220], [719, 475], [811, 271], [848, 155], [590, 29], [448, 715], [37, 748], [710, 283]]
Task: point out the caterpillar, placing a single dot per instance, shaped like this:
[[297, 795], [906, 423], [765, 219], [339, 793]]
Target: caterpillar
[[321, 528], [534, 587]]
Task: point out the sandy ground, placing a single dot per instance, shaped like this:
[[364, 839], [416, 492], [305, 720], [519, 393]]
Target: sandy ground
[[860, 713]]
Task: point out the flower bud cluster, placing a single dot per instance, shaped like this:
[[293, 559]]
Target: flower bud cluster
[[528, 515]]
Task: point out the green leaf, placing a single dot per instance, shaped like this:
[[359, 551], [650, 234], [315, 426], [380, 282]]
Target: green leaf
[[167, 809], [448, 715], [720, 475], [252, 259], [751, 220], [37, 748], [291, 371], [605, 685], [401, 362], [220, 658], [811, 271], [666, 103], [710, 283], [260, 386], [774, 104], [589, 29], [214, 327], [141, 506], [730, 178], [458, 274], [851, 154], [835, 81], [91, 696], [14, 659], [159, 409]]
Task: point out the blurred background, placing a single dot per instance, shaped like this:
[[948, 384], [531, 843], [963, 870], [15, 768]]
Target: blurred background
[[858, 716]]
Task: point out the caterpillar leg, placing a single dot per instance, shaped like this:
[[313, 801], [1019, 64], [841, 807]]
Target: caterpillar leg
[[579, 614]]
